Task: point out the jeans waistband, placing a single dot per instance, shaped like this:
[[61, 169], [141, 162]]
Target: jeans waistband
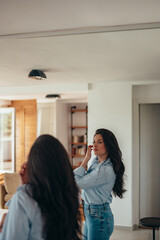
[[99, 206]]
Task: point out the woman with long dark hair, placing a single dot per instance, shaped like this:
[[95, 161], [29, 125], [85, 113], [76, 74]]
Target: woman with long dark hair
[[46, 207], [104, 176]]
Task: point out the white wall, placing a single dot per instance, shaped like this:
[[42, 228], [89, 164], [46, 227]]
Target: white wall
[[53, 119], [110, 106], [46, 118], [61, 123], [147, 93]]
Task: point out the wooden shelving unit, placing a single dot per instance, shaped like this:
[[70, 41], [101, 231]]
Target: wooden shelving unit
[[78, 143]]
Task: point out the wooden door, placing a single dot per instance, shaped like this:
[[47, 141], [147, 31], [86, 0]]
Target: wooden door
[[26, 128]]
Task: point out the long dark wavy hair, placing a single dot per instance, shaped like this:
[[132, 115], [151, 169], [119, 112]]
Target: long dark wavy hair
[[52, 186], [115, 155]]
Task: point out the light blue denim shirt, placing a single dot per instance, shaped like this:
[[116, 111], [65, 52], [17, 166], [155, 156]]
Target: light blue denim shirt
[[23, 221], [96, 183]]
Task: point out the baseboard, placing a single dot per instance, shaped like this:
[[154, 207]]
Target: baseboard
[[127, 228], [135, 227]]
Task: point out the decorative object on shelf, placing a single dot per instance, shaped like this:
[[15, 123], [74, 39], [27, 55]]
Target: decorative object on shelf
[[78, 142], [77, 139]]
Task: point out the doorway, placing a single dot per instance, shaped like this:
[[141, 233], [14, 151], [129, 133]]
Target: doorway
[[149, 119]]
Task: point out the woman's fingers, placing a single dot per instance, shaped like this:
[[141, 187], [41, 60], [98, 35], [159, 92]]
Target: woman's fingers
[[23, 173], [90, 147], [88, 153], [23, 167]]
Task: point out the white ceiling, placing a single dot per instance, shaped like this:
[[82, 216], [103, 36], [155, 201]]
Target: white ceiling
[[77, 42]]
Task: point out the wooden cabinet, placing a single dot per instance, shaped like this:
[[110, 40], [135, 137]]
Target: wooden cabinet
[[79, 134], [26, 128]]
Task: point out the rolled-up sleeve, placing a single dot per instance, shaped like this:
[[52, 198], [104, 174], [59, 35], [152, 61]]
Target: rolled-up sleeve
[[24, 220], [16, 225], [95, 178]]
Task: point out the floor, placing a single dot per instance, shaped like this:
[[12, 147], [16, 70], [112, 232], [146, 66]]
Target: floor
[[123, 233], [139, 234]]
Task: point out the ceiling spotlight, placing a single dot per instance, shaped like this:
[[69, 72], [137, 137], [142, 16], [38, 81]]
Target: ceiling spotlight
[[53, 96], [37, 74]]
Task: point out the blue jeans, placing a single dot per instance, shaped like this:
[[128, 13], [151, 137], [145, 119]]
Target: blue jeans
[[99, 222]]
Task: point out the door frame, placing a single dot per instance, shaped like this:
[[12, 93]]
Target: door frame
[[136, 157]]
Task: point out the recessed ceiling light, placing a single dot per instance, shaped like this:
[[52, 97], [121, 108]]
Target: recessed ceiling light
[[53, 96], [37, 75]]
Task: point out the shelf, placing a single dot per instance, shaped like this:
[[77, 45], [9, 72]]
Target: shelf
[[78, 156], [79, 127], [78, 143], [79, 110]]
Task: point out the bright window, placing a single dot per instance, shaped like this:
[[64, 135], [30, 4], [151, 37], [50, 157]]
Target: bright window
[[7, 140]]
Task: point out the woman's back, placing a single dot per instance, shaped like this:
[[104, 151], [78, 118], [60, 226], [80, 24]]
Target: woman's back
[[25, 209]]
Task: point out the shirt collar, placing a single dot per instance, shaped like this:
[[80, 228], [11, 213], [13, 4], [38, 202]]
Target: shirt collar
[[106, 161]]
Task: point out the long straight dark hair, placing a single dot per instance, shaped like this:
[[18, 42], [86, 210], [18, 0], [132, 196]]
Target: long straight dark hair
[[115, 155], [52, 186]]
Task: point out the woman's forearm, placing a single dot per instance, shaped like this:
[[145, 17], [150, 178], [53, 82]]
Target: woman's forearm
[[84, 163]]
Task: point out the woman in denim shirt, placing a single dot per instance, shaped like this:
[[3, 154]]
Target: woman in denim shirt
[[104, 176], [46, 206]]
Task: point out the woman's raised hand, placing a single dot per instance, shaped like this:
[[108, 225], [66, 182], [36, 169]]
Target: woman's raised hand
[[23, 173], [88, 153], [87, 157]]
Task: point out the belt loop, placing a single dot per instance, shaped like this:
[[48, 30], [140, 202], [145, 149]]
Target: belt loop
[[104, 206], [89, 208], [83, 205]]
